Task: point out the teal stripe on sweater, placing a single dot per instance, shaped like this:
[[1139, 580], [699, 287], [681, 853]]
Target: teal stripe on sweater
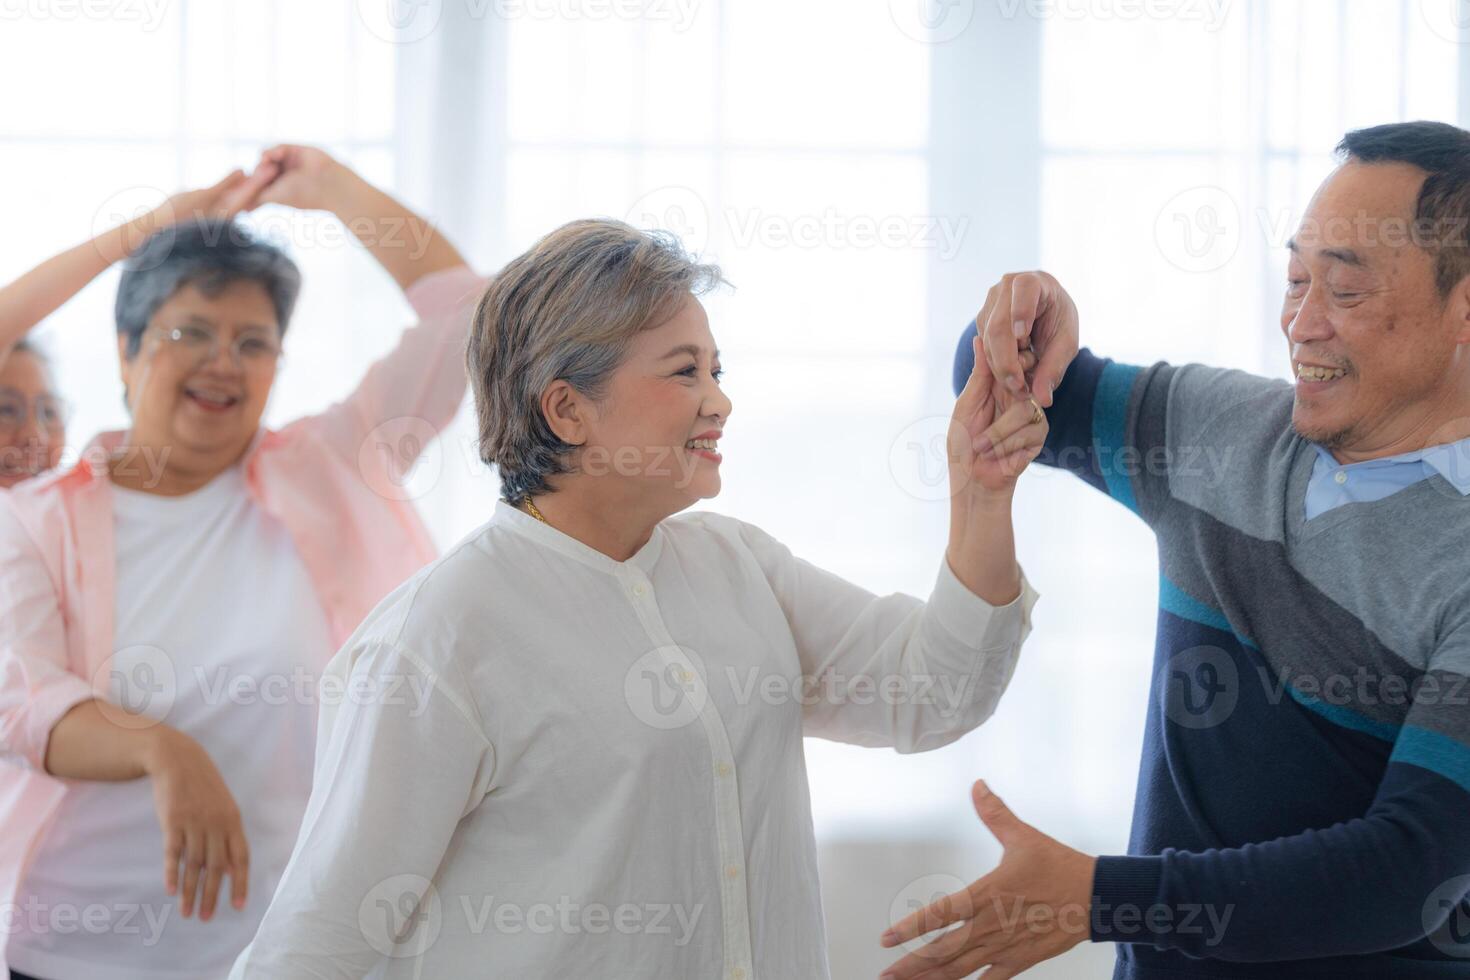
[[1435, 752], [1345, 717], [1110, 428]]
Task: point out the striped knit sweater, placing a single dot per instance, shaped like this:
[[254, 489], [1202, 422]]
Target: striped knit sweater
[[1303, 801]]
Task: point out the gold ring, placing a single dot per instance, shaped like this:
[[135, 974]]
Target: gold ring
[[1037, 415]]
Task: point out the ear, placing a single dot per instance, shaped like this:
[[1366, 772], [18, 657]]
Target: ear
[[566, 411], [1457, 308]]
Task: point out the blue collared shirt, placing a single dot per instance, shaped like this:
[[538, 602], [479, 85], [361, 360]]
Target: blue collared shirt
[[1334, 484]]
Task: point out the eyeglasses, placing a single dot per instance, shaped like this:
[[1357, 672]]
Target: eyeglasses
[[48, 411], [252, 350]]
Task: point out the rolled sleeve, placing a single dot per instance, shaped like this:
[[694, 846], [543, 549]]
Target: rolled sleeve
[[976, 622], [36, 686]]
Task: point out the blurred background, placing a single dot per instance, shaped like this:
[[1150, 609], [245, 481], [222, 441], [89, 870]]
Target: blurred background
[[863, 170]]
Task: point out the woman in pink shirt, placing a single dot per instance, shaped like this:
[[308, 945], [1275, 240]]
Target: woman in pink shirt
[[166, 603], [32, 423]]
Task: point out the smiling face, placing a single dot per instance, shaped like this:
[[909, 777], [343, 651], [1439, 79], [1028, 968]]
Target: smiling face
[[203, 408], [656, 428], [1380, 359], [32, 432]]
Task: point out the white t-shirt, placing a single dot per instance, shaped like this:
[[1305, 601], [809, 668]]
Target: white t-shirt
[[219, 633]]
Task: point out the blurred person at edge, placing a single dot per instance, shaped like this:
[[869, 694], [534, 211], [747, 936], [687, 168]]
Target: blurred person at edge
[[590, 741], [161, 600], [1303, 801], [32, 412]]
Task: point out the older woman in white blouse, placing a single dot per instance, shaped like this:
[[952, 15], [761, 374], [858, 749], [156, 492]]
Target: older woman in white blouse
[[582, 752]]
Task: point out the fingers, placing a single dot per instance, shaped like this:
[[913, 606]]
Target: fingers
[[216, 863], [1056, 356], [193, 865], [1002, 347], [1012, 431], [977, 386], [239, 870], [173, 853], [243, 196], [931, 959], [949, 909]]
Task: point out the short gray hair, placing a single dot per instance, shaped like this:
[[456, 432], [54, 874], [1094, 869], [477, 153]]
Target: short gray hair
[[568, 309], [206, 254]]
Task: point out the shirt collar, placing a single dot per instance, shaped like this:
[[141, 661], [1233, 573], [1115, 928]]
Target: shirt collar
[[518, 520], [1450, 460]]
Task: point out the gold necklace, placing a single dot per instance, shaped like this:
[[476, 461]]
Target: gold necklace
[[531, 509]]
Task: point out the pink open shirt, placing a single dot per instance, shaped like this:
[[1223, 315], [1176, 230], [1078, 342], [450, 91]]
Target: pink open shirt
[[334, 480]]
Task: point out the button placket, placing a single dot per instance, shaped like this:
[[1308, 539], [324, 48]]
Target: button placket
[[729, 833]]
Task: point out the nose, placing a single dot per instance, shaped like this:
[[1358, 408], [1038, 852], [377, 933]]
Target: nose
[[718, 404], [1310, 321]]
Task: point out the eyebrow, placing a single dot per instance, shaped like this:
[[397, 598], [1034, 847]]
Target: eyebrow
[[689, 349], [1345, 255]]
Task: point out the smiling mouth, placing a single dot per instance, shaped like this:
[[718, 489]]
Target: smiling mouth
[[704, 447], [1314, 375], [211, 401]]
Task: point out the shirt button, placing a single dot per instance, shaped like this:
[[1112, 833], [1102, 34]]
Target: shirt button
[[639, 589], [722, 770], [732, 872], [1340, 477], [737, 974]]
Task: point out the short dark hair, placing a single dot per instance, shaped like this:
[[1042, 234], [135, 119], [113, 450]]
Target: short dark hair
[[1442, 213], [205, 254]]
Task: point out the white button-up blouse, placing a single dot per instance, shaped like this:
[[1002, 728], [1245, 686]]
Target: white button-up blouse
[[536, 761]]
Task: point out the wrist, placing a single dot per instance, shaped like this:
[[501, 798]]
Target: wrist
[[156, 748]]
